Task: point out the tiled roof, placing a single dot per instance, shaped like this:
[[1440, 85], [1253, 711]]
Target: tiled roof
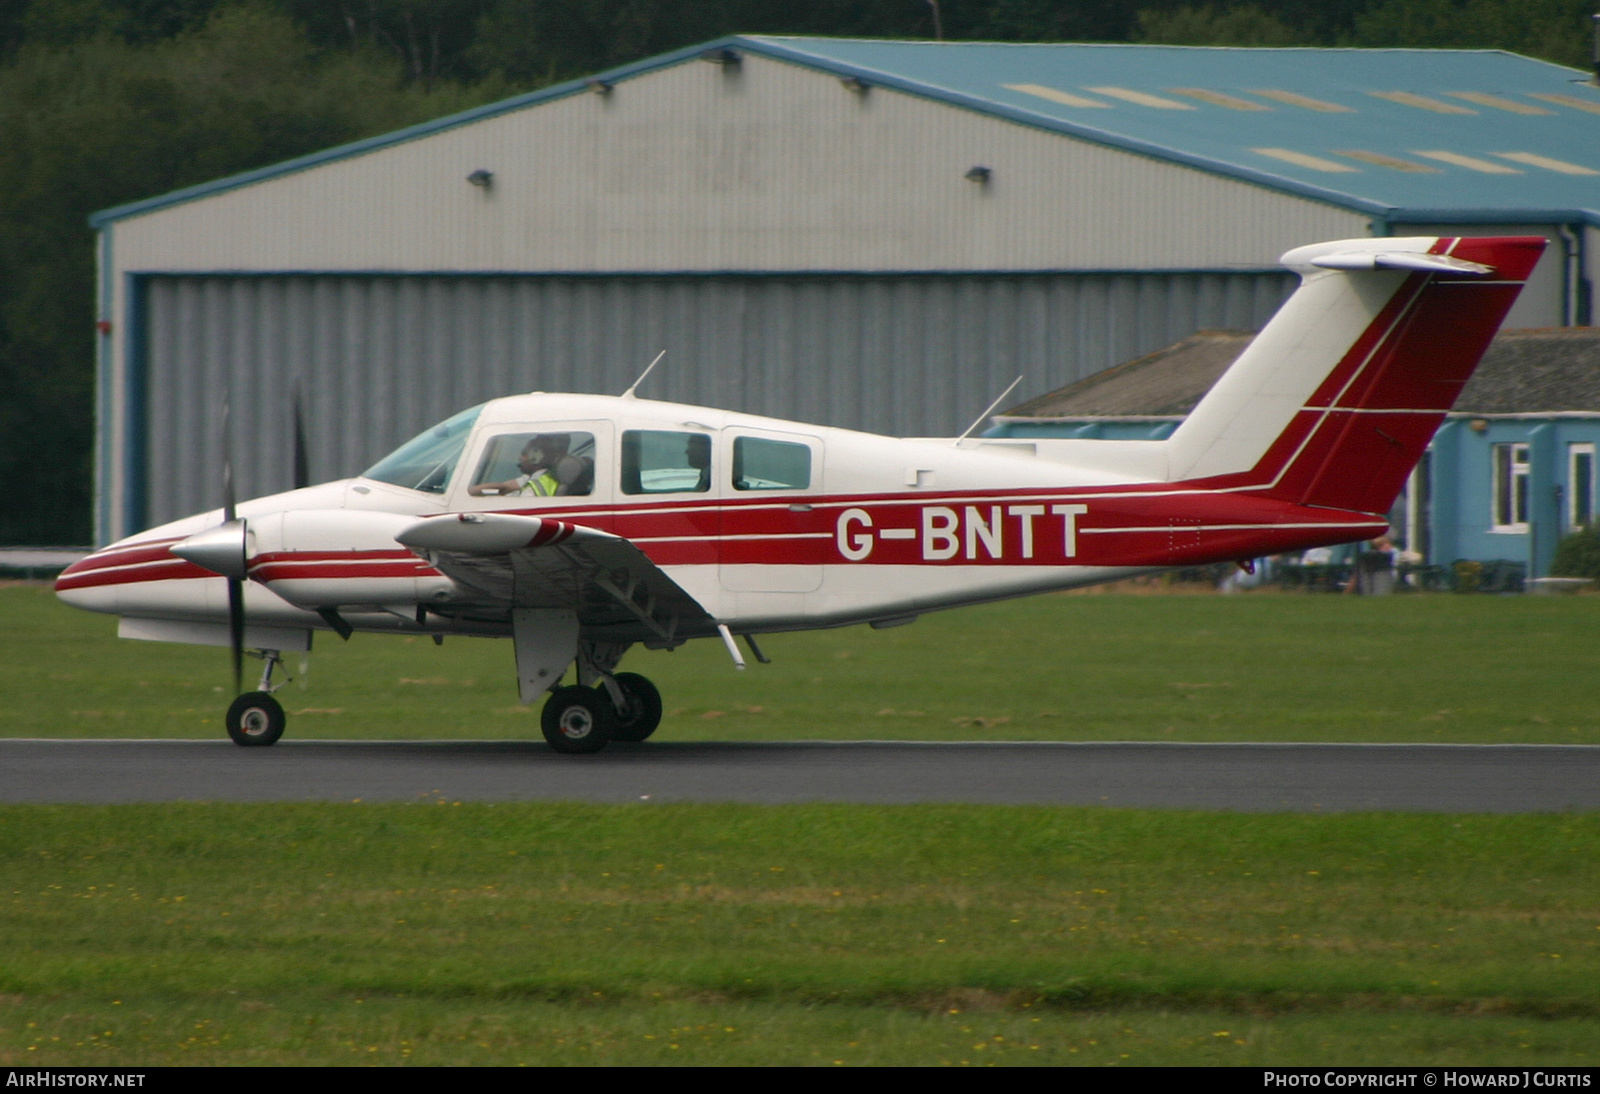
[[1524, 372]]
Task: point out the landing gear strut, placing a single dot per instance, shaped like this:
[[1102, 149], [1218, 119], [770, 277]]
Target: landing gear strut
[[257, 719]]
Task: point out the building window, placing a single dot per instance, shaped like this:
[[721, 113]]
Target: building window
[[1580, 485], [1511, 487]]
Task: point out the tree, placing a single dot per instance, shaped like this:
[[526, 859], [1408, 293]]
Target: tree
[[1555, 30], [1246, 25], [103, 121]]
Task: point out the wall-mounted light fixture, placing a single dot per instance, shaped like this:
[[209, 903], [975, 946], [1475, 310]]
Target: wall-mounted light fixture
[[979, 174], [599, 86], [481, 178], [855, 84], [726, 57], [1479, 425]]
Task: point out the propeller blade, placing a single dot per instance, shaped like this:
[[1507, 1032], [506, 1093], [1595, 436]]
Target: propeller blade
[[302, 461], [236, 631], [235, 583], [227, 464]]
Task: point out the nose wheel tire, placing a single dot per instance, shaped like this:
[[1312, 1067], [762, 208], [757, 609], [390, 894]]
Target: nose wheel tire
[[577, 720], [643, 711], [256, 719]]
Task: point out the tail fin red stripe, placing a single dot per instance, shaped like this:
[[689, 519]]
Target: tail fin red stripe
[[1373, 416]]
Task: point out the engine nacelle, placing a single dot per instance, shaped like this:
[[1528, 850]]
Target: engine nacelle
[[341, 558]]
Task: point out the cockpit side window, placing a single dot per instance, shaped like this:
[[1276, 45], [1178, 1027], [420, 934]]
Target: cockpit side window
[[539, 465], [659, 461], [426, 461]]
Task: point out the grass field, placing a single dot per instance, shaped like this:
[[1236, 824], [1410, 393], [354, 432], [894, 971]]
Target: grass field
[[1080, 667], [548, 933], [453, 933]]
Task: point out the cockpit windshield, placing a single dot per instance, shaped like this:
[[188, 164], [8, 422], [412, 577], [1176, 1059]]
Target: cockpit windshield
[[426, 460]]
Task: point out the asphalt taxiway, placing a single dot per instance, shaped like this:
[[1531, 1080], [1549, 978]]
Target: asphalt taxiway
[[1241, 777]]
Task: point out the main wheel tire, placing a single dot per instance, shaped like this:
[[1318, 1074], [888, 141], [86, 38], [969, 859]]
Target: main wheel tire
[[577, 720], [643, 713], [256, 719]]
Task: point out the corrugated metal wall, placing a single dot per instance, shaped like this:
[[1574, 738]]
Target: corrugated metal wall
[[381, 358]]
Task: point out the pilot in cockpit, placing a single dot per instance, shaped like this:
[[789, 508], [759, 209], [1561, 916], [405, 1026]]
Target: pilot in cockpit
[[539, 458]]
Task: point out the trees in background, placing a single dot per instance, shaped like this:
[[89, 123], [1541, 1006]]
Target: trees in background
[[88, 121], [109, 101]]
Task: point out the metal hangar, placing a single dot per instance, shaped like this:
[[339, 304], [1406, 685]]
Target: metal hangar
[[869, 234]]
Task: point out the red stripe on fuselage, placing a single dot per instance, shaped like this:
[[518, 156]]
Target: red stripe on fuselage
[[171, 569], [133, 554], [1154, 524]]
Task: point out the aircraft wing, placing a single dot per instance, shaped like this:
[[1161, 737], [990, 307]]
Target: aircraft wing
[[514, 561]]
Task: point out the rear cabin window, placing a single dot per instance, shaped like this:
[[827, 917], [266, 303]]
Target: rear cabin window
[[762, 464], [659, 461]]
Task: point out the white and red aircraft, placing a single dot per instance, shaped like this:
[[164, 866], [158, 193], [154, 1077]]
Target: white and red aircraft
[[580, 525]]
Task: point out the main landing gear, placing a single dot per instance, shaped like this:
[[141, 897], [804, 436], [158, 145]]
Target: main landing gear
[[623, 707], [256, 718]]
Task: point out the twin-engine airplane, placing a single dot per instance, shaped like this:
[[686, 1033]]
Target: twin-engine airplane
[[580, 525]]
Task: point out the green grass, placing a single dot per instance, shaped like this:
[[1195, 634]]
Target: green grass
[[530, 933], [1081, 667], [547, 933]]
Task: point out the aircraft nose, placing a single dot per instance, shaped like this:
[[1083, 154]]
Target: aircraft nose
[[88, 584], [98, 582]]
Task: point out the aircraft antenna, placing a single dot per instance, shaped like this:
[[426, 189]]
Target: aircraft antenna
[[987, 412], [629, 393]]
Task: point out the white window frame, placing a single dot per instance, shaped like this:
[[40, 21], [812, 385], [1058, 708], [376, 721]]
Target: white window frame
[[1575, 513], [1509, 500]]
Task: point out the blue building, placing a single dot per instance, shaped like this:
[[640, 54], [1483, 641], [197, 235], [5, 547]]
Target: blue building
[[1511, 470]]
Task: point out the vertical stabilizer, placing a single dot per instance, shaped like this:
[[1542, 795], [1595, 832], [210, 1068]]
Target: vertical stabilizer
[[1334, 402]]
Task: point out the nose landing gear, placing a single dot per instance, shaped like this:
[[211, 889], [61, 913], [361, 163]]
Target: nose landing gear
[[256, 719]]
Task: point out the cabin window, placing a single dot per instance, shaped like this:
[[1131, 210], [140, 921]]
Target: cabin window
[[426, 461], [538, 465], [659, 461], [763, 464], [1580, 485], [1511, 487]]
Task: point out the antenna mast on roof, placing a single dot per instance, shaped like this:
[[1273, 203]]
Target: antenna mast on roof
[[988, 412], [629, 393]]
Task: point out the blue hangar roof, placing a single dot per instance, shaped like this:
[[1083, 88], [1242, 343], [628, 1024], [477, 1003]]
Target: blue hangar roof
[[1405, 135]]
